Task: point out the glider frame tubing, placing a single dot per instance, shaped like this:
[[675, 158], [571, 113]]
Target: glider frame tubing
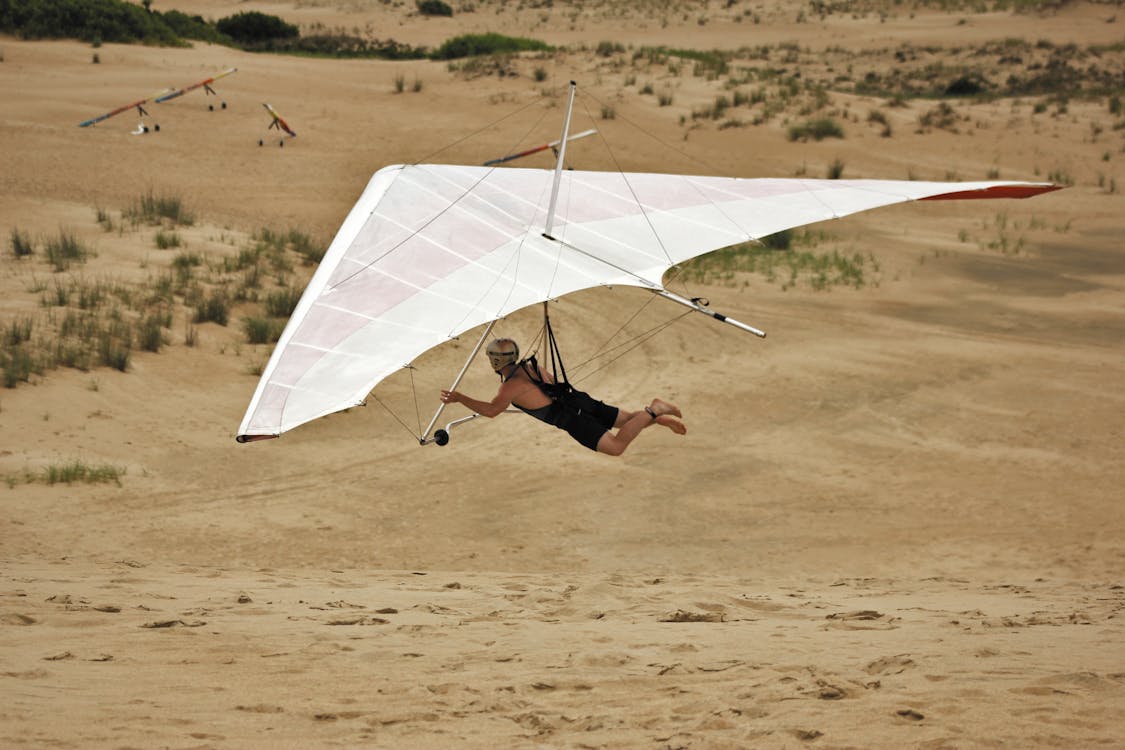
[[697, 304], [435, 438], [442, 436]]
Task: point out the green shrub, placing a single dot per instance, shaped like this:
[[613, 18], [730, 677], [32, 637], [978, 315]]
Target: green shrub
[[16, 364], [194, 27], [114, 353], [17, 331], [609, 49], [263, 330], [471, 45], [821, 271], [87, 20], [150, 335], [818, 130], [213, 308], [65, 250], [152, 209], [782, 240], [165, 240], [253, 28], [282, 303], [79, 471], [968, 85], [21, 244], [434, 8]]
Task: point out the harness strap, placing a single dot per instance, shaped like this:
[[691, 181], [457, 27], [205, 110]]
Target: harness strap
[[559, 392]]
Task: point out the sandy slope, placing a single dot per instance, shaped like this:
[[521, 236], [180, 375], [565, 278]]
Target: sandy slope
[[895, 523]]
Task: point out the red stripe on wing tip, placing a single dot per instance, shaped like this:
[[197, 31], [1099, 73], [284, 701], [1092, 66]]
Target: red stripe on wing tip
[[997, 191]]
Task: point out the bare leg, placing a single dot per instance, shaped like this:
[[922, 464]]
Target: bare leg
[[672, 424], [631, 423]]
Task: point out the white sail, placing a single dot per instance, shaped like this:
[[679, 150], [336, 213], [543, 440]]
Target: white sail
[[431, 251]]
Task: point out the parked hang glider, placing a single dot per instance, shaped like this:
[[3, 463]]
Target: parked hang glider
[[431, 251], [138, 105], [279, 123], [205, 84], [164, 95]]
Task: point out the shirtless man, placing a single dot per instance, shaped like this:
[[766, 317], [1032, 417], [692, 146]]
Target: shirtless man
[[588, 421]]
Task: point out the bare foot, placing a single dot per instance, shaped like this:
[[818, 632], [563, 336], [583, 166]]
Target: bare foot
[[661, 407], [672, 424]]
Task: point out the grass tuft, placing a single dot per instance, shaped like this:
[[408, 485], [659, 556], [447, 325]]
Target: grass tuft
[[776, 259], [818, 130], [78, 471], [154, 209], [65, 250], [21, 243]]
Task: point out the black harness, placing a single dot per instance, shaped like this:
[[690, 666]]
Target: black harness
[[558, 391], [561, 392]]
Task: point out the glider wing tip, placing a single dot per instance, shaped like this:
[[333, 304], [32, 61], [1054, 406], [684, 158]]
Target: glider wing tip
[[254, 438], [1022, 190]]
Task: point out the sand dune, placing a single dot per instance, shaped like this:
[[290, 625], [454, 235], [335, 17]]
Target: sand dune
[[897, 522]]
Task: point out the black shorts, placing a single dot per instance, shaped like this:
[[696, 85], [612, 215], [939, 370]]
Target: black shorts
[[585, 419]]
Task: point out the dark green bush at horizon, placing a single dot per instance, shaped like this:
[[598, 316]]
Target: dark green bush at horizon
[[434, 8], [341, 46], [194, 27], [471, 45], [252, 28], [98, 21], [88, 20]]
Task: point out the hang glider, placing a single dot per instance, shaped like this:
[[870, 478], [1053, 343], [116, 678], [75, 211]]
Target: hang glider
[[277, 122], [164, 95], [137, 105], [537, 149], [432, 251], [205, 84]]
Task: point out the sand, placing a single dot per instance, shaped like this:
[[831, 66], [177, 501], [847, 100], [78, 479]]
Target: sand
[[896, 522]]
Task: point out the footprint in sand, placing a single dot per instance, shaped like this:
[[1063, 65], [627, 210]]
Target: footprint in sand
[[890, 665], [18, 619], [261, 708]]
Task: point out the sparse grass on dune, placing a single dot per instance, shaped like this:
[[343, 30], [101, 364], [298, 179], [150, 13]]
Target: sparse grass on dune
[[151, 208], [788, 258], [20, 243], [74, 471], [84, 322], [65, 250], [796, 84]]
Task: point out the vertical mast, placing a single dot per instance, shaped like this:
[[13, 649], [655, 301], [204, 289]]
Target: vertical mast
[[559, 165]]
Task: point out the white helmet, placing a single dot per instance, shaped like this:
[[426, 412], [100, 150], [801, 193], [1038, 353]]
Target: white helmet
[[502, 352]]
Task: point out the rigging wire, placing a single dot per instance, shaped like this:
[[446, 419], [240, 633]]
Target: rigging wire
[[413, 390], [635, 342], [398, 419], [709, 167], [602, 348], [676, 270], [475, 133], [632, 192]]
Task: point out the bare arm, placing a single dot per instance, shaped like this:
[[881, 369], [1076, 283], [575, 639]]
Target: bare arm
[[497, 405]]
